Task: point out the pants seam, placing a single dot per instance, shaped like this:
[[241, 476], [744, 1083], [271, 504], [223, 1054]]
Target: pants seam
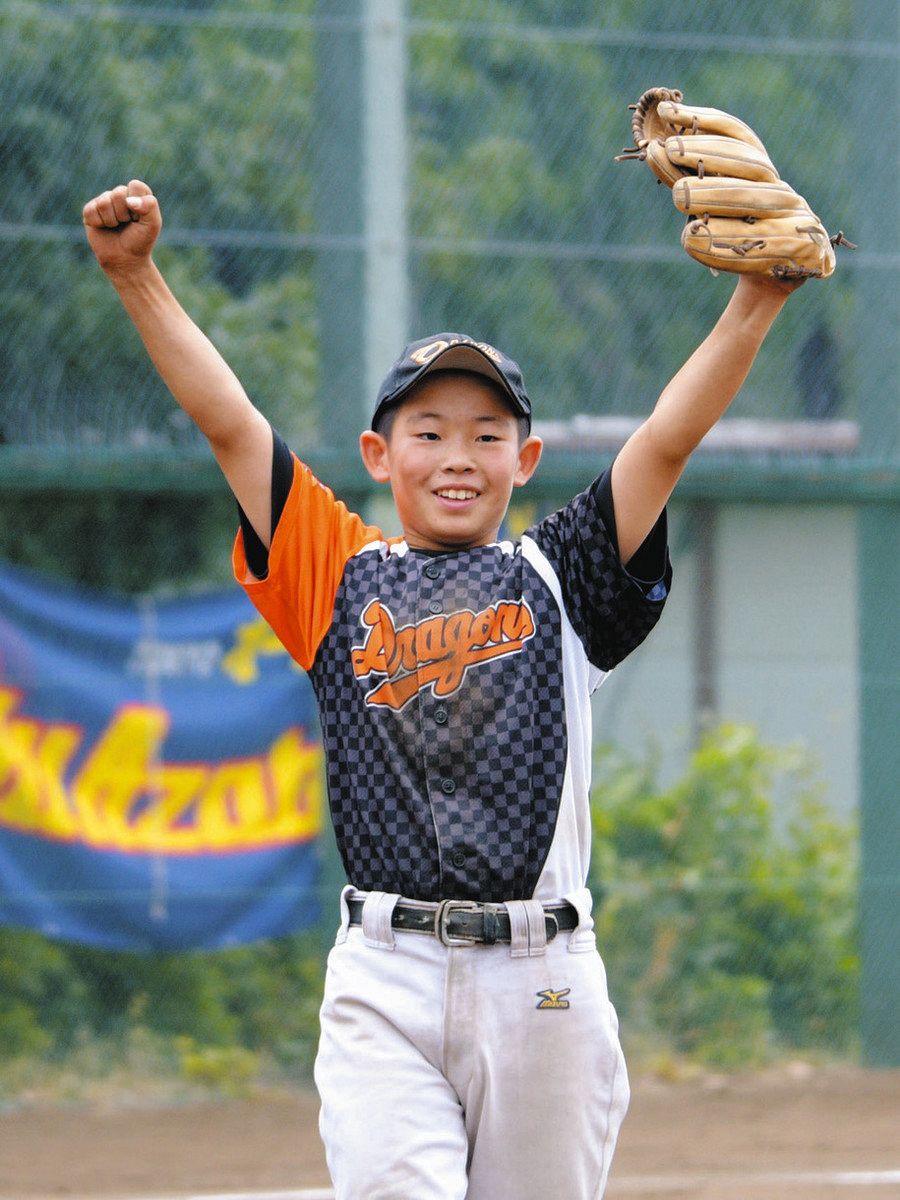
[[599, 1189]]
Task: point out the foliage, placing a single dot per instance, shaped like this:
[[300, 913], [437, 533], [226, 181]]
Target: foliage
[[728, 923], [219, 1019], [522, 228], [517, 115], [40, 996], [229, 1069], [120, 541], [214, 118]]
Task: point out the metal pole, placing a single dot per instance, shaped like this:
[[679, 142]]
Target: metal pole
[[385, 185], [879, 750], [360, 197], [705, 628], [878, 369], [338, 204], [338, 201]]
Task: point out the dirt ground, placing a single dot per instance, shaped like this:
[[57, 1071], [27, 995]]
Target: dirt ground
[[799, 1133]]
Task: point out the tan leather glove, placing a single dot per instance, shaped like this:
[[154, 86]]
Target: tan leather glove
[[742, 217]]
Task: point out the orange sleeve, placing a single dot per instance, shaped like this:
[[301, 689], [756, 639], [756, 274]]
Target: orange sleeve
[[313, 540]]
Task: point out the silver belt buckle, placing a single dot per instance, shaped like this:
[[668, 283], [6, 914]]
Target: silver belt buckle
[[442, 916]]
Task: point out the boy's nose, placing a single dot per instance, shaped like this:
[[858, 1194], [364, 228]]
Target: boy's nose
[[458, 458]]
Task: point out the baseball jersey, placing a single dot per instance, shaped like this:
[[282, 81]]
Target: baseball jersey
[[454, 688]]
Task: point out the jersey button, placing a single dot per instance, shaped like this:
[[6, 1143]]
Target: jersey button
[[435, 607], [432, 571], [448, 787], [458, 858], [440, 716]]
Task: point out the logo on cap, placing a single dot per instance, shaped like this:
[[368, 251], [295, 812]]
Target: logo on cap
[[426, 354]]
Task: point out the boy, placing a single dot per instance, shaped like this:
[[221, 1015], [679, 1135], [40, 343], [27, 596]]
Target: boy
[[468, 1047]]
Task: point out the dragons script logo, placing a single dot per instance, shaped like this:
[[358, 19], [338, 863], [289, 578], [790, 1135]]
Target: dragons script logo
[[437, 651]]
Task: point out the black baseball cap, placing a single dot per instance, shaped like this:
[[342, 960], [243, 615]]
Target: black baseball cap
[[452, 351]]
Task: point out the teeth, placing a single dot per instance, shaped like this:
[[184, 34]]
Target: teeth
[[457, 494]]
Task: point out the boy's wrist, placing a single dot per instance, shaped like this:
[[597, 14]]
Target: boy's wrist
[[757, 301], [132, 274], [762, 291]]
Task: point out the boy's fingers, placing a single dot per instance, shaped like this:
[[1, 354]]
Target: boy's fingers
[[90, 216], [107, 210], [141, 206], [120, 207], [94, 213]]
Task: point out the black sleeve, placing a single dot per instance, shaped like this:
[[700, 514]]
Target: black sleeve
[[282, 473], [648, 563], [612, 608]]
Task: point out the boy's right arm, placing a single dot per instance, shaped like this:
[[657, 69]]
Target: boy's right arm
[[122, 226]]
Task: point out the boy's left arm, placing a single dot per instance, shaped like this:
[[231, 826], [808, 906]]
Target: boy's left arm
[[650, 463]]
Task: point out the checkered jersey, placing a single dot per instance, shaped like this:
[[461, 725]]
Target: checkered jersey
[[453, 691]]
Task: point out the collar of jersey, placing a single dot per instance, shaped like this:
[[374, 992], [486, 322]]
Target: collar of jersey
[[505, 545]]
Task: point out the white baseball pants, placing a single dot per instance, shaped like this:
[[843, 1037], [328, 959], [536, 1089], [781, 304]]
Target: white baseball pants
[[469, 1072]]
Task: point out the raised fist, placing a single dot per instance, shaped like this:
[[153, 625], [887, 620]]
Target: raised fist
[[122, 225]]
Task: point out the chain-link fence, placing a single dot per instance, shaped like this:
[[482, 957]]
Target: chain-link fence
[[337, 177], [267, 131]]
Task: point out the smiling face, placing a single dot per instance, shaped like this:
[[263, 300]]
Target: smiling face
[[452, 458]]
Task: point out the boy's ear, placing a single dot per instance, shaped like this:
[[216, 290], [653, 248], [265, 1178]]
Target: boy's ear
[[374, 451], [529, 457]]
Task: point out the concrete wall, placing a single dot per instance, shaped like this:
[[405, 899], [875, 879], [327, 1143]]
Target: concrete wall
[[786, 617]]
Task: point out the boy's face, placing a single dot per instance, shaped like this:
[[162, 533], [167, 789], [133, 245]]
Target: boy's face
[[452, 459]]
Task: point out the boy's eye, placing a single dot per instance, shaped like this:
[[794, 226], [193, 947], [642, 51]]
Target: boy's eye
[[428, 434]]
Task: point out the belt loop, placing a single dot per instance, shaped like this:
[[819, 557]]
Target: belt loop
[[378, 907], [582, 939], [537, 928], [346, 892], [518, 929]]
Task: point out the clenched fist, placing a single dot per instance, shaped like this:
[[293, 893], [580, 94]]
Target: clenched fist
[[122, 226]]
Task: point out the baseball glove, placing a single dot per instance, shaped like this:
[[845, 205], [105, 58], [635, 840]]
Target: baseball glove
[[742, 217]]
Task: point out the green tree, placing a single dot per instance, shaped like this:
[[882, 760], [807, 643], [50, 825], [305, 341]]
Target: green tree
[[517, 112], [217, 118], [729, 917], [42, 1001]]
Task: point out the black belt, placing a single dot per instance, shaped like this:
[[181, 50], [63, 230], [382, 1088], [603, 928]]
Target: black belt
[[464, 922]]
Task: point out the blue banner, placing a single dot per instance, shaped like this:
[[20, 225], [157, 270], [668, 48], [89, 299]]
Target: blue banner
[[161, 783]]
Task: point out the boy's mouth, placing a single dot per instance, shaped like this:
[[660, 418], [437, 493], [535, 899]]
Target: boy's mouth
[[456, 493]]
